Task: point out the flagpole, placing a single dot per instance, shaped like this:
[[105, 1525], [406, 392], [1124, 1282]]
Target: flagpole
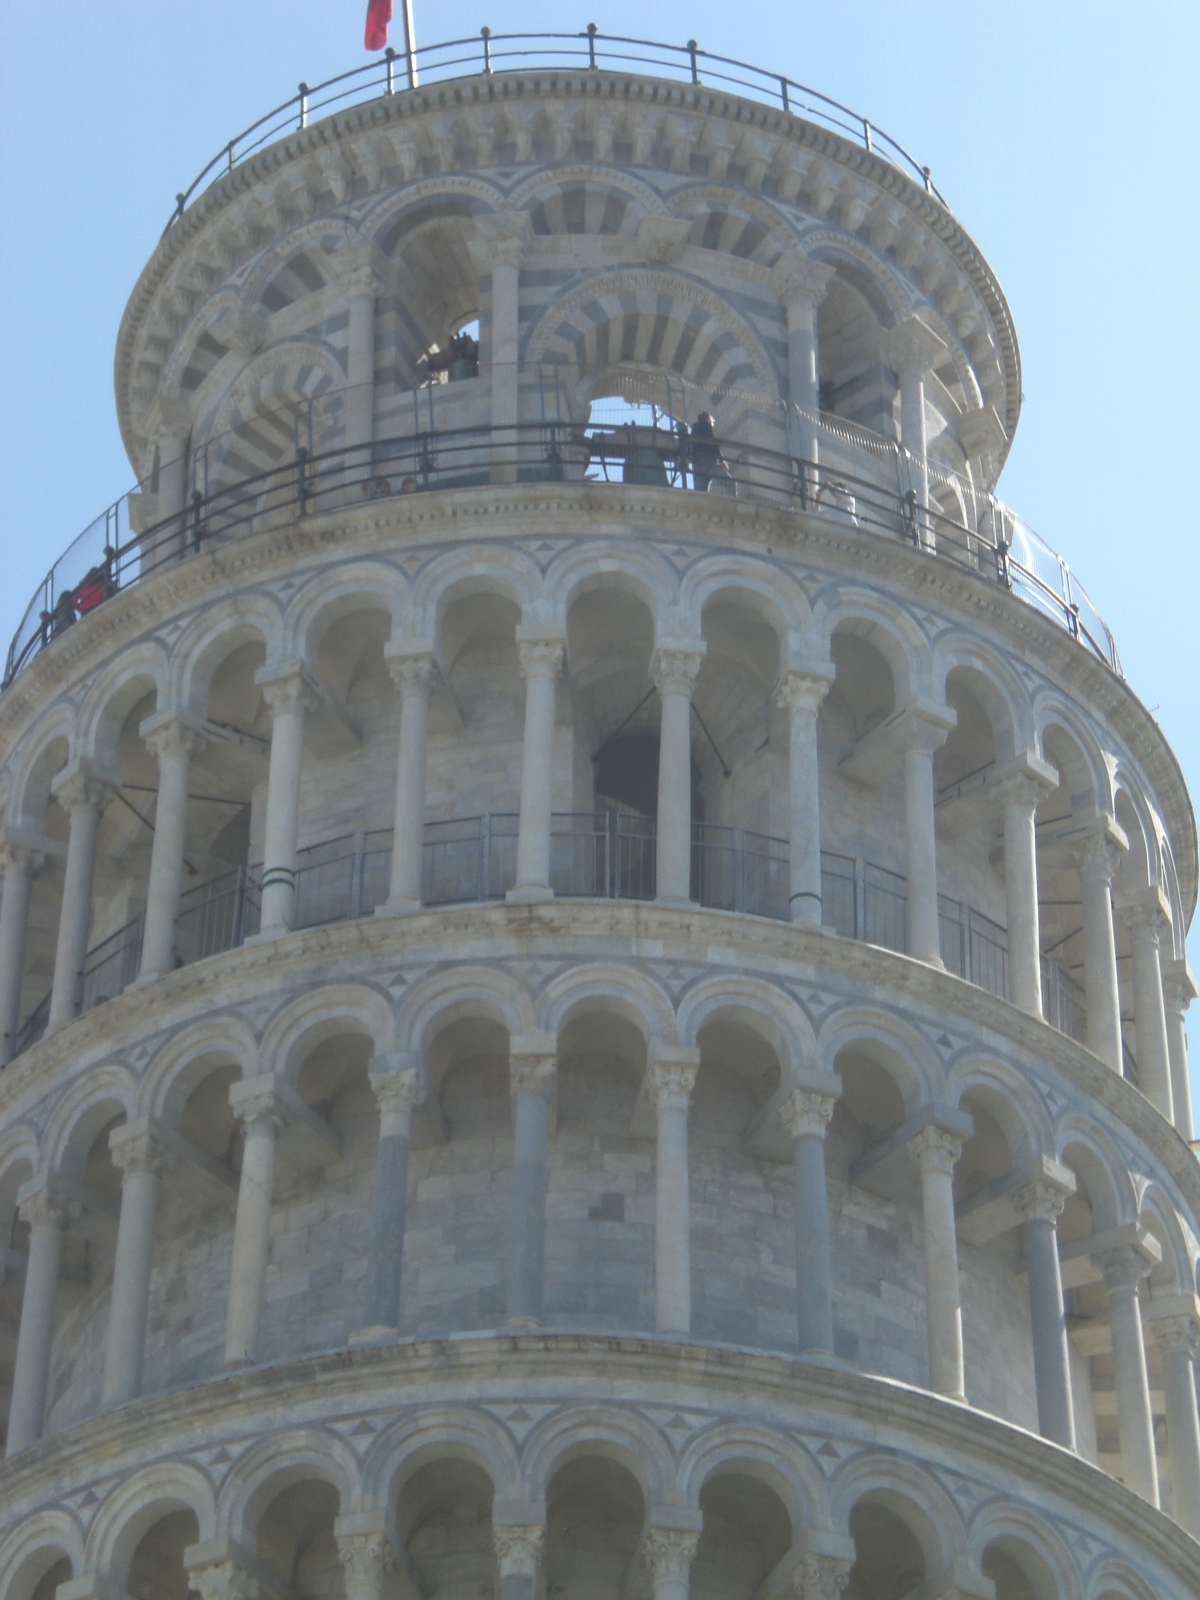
[[410, 44]]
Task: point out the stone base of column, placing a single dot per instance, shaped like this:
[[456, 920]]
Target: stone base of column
[[145, 978], [402, 906], [523, 1325], [529, 894], [239, 1364], [267, 936], [380, 1333]]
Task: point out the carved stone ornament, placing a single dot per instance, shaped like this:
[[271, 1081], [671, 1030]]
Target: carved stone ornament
[[365, 1558], [807, 1111], [519, 1549], [937, 1149], [290, 695], [532, 1073], [801, 693], [1040, 1201], [669, 1552], [673, 1084], [413, 674], [174, 740], [139, 1151], [1176, 1335], [820, 1577], [675, 668], [223, 1580], [540, 658]]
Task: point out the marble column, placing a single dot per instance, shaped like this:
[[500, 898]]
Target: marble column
[[412, 669], [46, 1213], [502, 243], [1019, 795], [365, 1553], [361, 274], [518, 1555], [674, 669], [289, 694], [540, 650], [1175, 1328], [1123, 1269], [20, 864], [672, 1079], [914, 350], [801, 284], [174, 742], [141, 1157], [1179, 990], [168, 425], [1096, 859], [257, 1104], [806, 1113], [220, 1570], [669, 1553], [922, 734], [1039, 1206], [936, 1150], [800, 695], [532, 1065], [83, 793], [1144, 914], [399, 1089]]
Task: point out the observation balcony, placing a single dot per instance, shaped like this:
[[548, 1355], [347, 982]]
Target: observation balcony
[[770, 452]]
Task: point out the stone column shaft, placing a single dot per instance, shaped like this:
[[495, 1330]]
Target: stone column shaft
[[924, 937], [674, 670], [1135, 1420], [801, 283], [532, 1070], [806, 1113], [541, 653], [256, 1102], [801, 694], [1179, 989], [412, 669], [937, 1150], [20, 866], [1040, 1209], [503, 241], [1175, 1327], [142, 1158], [1097, 859], [914, 351], [46, 1214], [83, 795], [174, 743], [289, 696], [398, 1089], [673, 1079], [1144, 920], [1020, 797]]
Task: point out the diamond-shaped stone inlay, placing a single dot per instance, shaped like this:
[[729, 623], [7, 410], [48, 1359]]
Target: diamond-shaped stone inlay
[[363, 1427], [220, 1458], [830, 1451], [945, 1042], [91, 1498]]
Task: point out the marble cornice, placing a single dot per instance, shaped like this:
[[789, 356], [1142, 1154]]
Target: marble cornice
[[468, 1369], [616, 511], [359, 950]]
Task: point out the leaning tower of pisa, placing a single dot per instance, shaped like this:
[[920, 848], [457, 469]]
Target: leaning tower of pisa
[[591, 956]]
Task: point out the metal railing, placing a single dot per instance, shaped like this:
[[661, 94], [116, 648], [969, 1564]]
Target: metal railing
[[593, 854], [487, 53], [859, 478]]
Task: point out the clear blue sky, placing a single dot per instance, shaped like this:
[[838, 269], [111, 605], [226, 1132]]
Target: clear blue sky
[[1064, 136]]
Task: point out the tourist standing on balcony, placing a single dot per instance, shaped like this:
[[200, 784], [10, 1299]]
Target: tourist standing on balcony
[[705, 452]]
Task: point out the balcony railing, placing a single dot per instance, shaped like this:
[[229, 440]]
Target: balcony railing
[[862, 479], [487, 53], [593, 855]]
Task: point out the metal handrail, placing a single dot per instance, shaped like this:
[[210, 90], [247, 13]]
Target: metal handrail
[[986, 537], [486, 53]]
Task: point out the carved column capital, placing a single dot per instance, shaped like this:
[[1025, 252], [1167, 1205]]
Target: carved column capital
[[44, 1208], [797, 277], [518, 1548], [171, 737], [258, 1104], [288, 689], [673, 1078], [912, 346], [676, 664], [1099, 853], [803, 691], [821, 1577], [1178, 1335], [365, 1557], [532, 1064], [398, 1092], [80, 786], [807, 1111], [540, 650], [223, 1580], [138, 1148], [360, 270], [936, 1149], [21, 857], [413, 666], [1042, 1200], [669, 1553], [1124, 1267]]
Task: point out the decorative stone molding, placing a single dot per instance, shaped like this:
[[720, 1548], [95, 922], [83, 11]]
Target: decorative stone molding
[[937, 1149], [674, 667], [532, 1064], [540, 650], [518, 1549], [807, 1112]]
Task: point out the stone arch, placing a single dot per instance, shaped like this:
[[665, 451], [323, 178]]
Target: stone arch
[[996, 687], [581, 568], [181, 360], [913, 1495], [214, 635], [1140, 865], [137, 1503], [902, 1053], [1012, 1100], [1112, 1578], [40, 1543], [298, 368], [435, 1002], [332, 594], [779, 599], [623, 1436], [438, 1433], [1078, 757], [91, 1101], [757, 1005], [1087, 1150], [480, 569], [44, 753], [418, 203], [544, 187], [110, 700], [269, 1466], [322, 1014], [699, 337], [172, 1072], [284, 251], [601, 985], [1054, 1573], [838, 249], [883, 624], [782, 1464], [1176, 1272], [764, 233]]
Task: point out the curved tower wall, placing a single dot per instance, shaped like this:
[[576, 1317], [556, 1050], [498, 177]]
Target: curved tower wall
[[587, 1010]]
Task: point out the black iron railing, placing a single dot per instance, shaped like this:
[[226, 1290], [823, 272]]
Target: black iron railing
[[862, 480], [487, 53]]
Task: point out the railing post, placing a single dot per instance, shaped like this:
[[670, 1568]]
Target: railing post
[[486, 35], [304, 105], [230, 152], [867, 135], [783, 92], [591, 33], [692, 49], [390, 58]]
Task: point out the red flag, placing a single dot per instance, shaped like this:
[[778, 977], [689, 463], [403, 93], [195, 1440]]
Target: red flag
[[379, 14]]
